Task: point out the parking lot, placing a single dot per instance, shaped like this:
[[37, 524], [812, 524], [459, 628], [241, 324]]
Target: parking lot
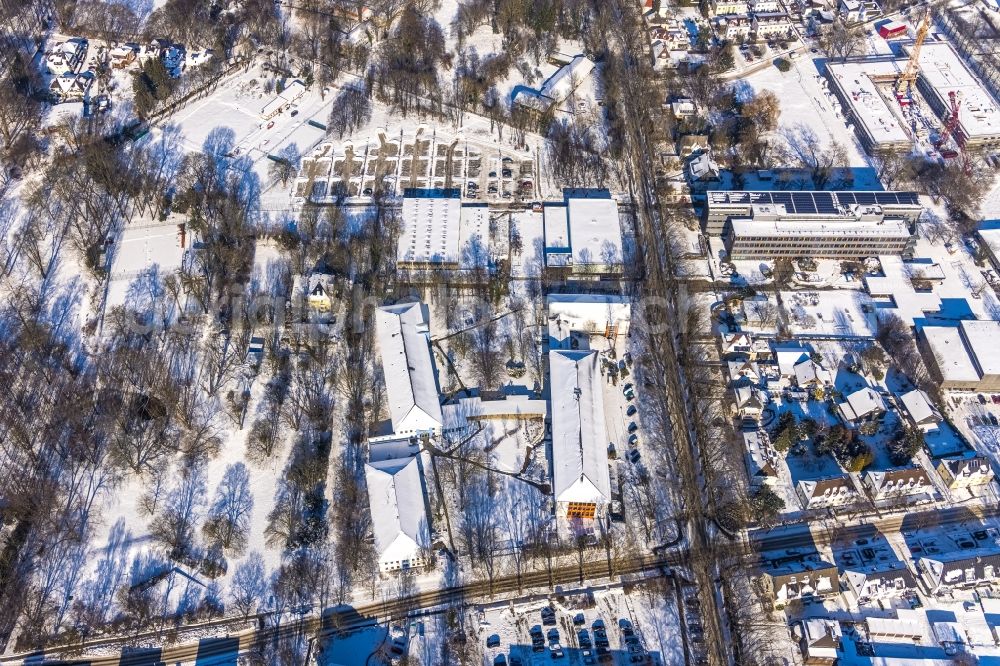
[[550, 633], [430, 158]]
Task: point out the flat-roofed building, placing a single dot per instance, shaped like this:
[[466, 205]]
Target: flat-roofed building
[[820, 224], [583, 235], [877, 122], [942, 72], [862, 233], [965, 357], [580, 478], [989, 241], [590, 314], [981, 337], [947, 358], [438, 231]]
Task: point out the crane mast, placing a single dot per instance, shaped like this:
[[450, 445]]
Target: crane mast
[[909, 74]]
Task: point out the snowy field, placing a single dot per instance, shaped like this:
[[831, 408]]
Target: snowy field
[[807, 108]]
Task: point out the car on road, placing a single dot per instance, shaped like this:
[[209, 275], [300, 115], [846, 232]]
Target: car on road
[[367, 192], [631, 410], [993, 420], [294, 113]]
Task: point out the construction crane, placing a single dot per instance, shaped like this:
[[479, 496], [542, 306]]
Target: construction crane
[[909, 74], [951, 130]]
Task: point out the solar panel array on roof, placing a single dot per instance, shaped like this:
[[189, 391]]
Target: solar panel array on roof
[[814, 202]]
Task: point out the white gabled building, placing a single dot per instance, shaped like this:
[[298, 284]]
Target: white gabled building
[[580, 479], [399, 515], [410, 381]]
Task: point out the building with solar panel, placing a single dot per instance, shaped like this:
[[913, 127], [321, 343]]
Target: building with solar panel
[[842, 225]]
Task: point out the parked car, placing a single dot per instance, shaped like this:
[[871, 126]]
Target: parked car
[[493, 641], [579, 619], [500, 660], [633, 456], [584, 638], [553, 635], [633, 426], [633, 440], [631, 410]]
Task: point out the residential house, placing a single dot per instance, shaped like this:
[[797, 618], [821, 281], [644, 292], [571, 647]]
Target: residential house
[[820, 641], [121, 57], [965, 472], [918, 411], [826, 493], [787, 357], [811, 375], [853, 11], [737, 343], [703, 169], [958, 569], [734, 27], [801, 579], [683, 108], [769, 25], [744, 369], [729, 7], [898, 483], [750, 401], [66, 57], [880, 582], [862, 406], [318, 290], [399, 514], [761, 457], [765, 6], [690, 144], [70, 88], [655, 8]]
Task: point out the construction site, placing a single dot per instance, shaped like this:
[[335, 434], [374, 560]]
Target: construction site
[[926, 101]]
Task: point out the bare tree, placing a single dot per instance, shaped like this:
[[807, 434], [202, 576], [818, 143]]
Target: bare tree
[[228, 519]]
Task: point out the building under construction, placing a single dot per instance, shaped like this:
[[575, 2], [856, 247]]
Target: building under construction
[[887, 111]]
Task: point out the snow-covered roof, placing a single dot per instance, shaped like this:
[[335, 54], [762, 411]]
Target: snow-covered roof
[[579, 437], [944, 72], [952, 359], [595, 230], [399, 519], [586, 312], [568, 78], [809, 371], [981, 338], [410, 383], [869, 107], [788, 358], [919, 407], [780, 228], [822, 637], [438, 229], [862, 403]]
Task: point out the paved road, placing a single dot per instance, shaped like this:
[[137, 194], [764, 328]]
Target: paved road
[[346, 617], [805, 536]]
